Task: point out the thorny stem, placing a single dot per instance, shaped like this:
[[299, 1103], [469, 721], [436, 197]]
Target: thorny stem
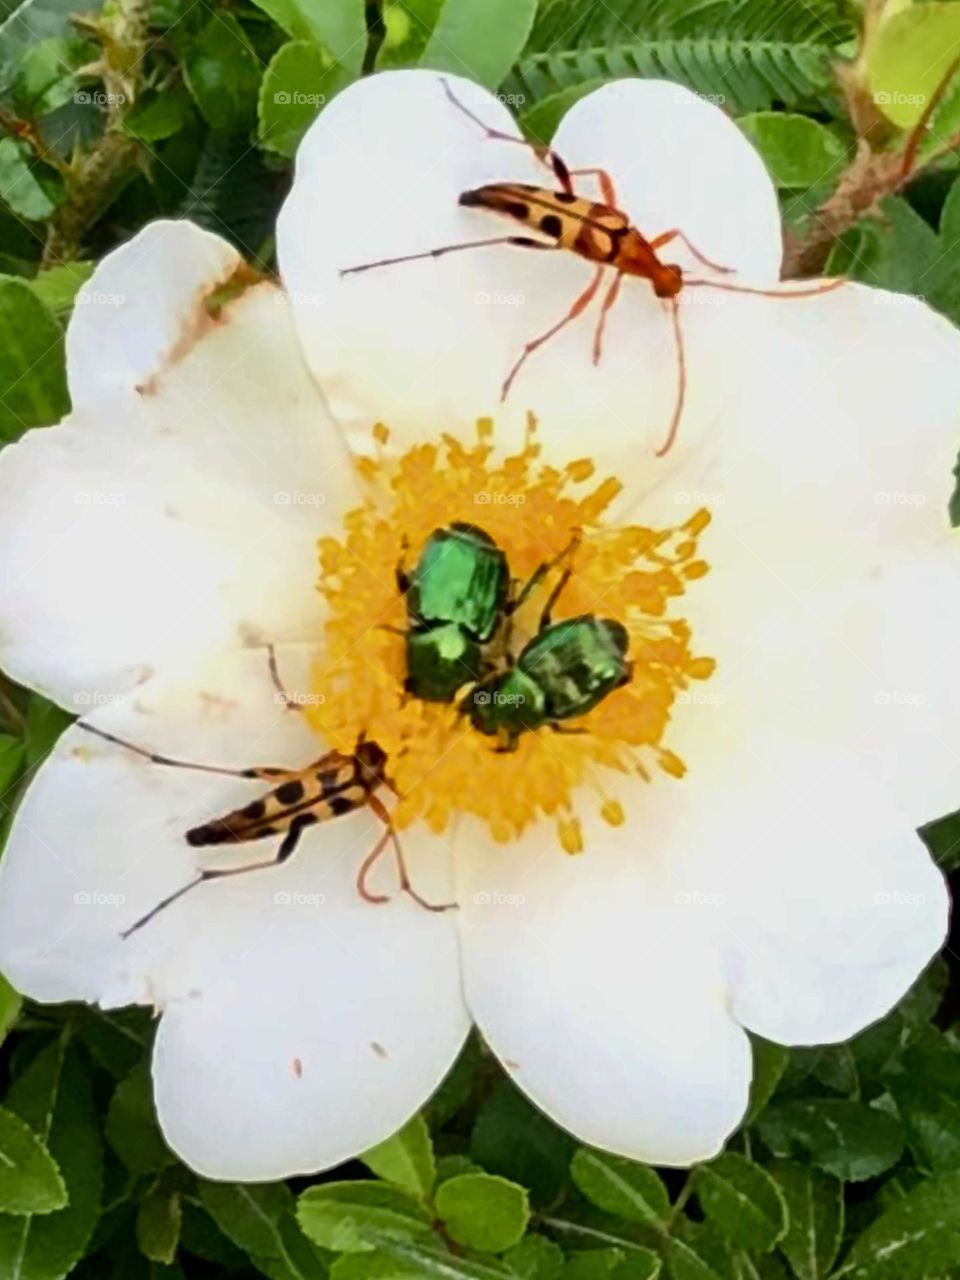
[[97, 178]]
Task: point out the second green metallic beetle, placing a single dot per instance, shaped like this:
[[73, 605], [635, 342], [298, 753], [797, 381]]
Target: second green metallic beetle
[[455, 597]]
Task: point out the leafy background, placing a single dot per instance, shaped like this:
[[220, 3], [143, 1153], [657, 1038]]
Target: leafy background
[[848, 1165]]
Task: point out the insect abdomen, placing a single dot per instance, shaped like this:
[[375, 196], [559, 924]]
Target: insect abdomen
[[311, 796]]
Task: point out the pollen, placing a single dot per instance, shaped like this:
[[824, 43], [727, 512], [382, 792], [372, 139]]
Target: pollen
[[439, 765]]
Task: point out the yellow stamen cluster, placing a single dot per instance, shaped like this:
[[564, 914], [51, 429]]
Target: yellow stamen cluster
[[439, 765]]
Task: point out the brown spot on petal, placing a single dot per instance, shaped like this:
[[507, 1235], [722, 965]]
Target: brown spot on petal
[[297, 1068], [379, 1050], [511, 1065]]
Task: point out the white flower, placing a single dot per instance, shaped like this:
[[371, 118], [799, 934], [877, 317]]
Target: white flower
[[780, 886]]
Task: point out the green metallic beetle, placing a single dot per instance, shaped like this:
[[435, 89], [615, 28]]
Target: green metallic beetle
[[456, 596], [566, 670]]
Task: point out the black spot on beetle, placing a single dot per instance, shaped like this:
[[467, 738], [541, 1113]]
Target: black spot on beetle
[[565, 197], [255, 810], [342, 804], [290, 792], [551, 225]]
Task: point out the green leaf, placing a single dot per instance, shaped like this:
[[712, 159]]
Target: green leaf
[[222, 73], [770, 1061], [815, 1216], [926, 1090], [847, 1139], [344, 1216], [259, 1220], [408, 1261], [300, 80], [57, 287], [619, 1186], [407, 25], [159, 1218], [32, 363], [479, 38], [481, 1211], [909, 56], [45, 78], [406, 1158], [571, 23], [540, 122], [53, 1097], [942, 836], [535, 1258], [917, 1238], [695, 1252], [45, 723], [151, 119], [11, 1002], [131, 1124], [742, 1201], [540, 1162], [31, 189], [30, 1181], [740, 75], [28, 23], [612, 1264], [798, 152], [12, 752], [338, 27]]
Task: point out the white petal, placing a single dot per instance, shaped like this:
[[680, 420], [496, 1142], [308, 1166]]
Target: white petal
[[605, 1005], [155, 527], [431, 342], [141, 304], [301, 1024]]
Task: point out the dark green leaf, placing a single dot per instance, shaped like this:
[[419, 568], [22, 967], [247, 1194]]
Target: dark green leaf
[[535, 1258], [53, 1097], [512, 1138], [32, 189], [11, 1002], [798, 152], [298, 83], [33, 384], [338, 27], [407, 26], [919, 1237], [622, 1187], [847, 1139], [30, 1181], [770, 1061], [815, 1215], [131, 1124], [406, 1260], [223, 74], [158, 1221], [742, 1201], [161, 116], [57, 287]]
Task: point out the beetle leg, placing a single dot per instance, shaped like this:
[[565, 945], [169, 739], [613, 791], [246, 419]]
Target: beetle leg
[[289, 702], [607, 189], [389, 836], [681, 379], [578, 307], [285, 850], [544, 154], [260, 771], [676, 234], [608, 302], [803, 292]]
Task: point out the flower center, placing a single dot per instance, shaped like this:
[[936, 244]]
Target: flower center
[[542, 518]]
